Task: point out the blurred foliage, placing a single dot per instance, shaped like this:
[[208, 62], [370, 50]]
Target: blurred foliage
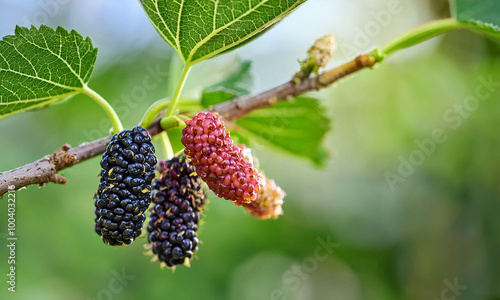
[[238, 84], [441, 223], [296, 127]]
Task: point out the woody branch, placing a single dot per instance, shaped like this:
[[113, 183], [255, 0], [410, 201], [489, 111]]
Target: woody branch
[[46, 169]]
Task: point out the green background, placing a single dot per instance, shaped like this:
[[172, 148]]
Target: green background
[[440, 225]]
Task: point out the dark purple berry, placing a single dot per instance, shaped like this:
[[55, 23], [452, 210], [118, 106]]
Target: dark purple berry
[[173, 221]]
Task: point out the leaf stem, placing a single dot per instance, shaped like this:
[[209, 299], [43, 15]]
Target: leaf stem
[[115, 120], [172, 122], [175, 66], [153, 110], [421, 34], [178, 89], [167, 146], [190, 104]]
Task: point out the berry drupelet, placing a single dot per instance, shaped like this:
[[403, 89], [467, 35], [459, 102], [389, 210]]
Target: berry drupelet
[[178, 200], [218, 161], [269, 201], [124, 193]]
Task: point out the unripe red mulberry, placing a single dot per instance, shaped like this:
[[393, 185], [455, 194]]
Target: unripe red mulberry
[[218, 161], [268, 202], [178, 200]]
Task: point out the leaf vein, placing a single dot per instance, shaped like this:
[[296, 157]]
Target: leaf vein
[[30, 63], [50, 51], [157, 12], [40, 78]]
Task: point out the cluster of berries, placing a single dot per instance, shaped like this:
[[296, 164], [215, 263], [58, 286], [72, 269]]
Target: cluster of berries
[[126, 187]]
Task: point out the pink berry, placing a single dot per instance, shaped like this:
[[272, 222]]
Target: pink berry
[[221, 164]]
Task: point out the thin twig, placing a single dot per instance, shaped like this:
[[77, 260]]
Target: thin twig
[[45, 169], [239, 107]]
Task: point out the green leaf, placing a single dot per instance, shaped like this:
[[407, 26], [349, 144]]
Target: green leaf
[[201, 29], [297, 127], [41, 66], [482, 16], [483, 11], [238, 84]]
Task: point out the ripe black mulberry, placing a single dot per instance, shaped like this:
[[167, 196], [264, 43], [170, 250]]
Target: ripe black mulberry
[[124, 193]]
